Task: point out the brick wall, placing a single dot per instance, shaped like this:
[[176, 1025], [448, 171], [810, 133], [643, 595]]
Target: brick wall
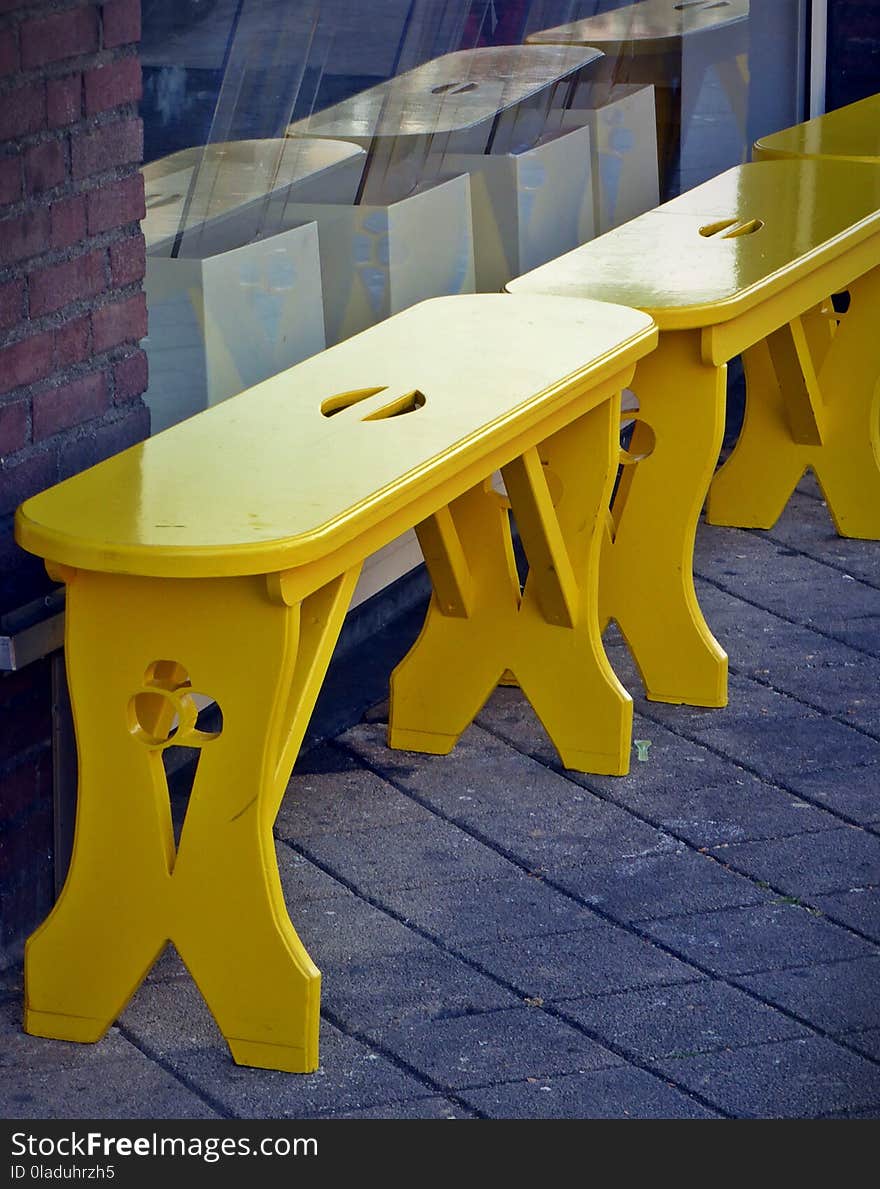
[[71, 315]]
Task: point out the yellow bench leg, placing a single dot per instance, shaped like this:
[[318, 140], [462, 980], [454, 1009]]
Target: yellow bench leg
[[815, 405], [479, 626], [137, 649], [646, 573]]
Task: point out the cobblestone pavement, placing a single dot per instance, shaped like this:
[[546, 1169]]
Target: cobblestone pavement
[[501, 938]]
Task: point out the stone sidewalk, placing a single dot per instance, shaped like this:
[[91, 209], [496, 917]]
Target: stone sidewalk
[[499, 938]]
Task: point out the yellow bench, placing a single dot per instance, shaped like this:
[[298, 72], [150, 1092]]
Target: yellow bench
[[743, 261], [219, 557], [850, 133]]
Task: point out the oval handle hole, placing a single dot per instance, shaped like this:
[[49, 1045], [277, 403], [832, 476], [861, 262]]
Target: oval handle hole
[[731, 228], [344, 400], [408, 403]]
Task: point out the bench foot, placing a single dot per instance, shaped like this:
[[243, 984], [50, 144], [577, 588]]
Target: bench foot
[[55, 1026], [816, 406], [481, 627], [646, 574], [216, 894]]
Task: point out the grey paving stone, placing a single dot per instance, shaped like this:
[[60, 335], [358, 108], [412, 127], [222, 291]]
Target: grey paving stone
[[421, 984], [765, 570], [829, 861], [697, 1017], [644, 887], [419, 1108], [302, 880], [851, 791], [350, 1076], [166, 1017], [593, 961], [468, 915], [407, 856], [766, 937], [799, 1078], [741, 809], [859, 631], [671, 761], [344, 928], [331, 792], [481, 778], [620, 1093], [773, 734], [867, 1042], [859, 908], [836, 996], [20, 1051], [499, 1046], [11, 981], [806, 526], [129, 1088]]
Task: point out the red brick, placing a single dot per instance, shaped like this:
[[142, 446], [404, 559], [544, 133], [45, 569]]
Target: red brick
[[122, 22], [8, 51], [57, 36], [63, 100], [45, 166], [10, 179], [122, 322], [113, 85], [73, 341], [68, 221], [84, 452], [116, 203], [57, 286], [24, 479], [71, 404], [26, 361], [114, 144], [22, 236], [130, 377], [13, 427], [22, 111], [11, 304], [128, 260]]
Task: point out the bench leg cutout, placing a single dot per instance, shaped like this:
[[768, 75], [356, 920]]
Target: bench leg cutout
[[217, 895], [546, 636]]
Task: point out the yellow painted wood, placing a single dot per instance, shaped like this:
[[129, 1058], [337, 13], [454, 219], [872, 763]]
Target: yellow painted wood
[[796, 375], [219, 558], [850, 133], [682, 264], [563, 671], [646, 572], [748, 255], [446, 562], [244, 487], [756, 482]]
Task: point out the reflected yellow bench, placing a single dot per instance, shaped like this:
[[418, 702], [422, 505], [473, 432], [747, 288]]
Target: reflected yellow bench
[[743, 261], [218, 558]]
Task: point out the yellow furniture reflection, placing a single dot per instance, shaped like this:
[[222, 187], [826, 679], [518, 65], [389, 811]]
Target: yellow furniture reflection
[[743, 260], [219, 558], [490, 99], [662, 42]]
